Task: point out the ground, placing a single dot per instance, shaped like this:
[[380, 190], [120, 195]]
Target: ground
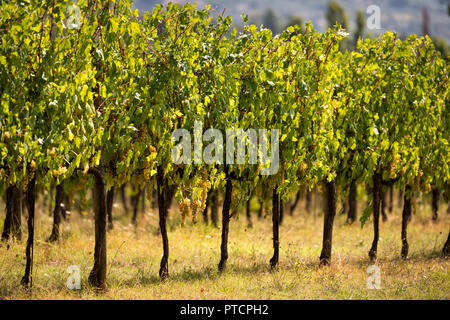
[[134, 255]]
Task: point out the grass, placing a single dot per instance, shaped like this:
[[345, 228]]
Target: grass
[[134, 255]]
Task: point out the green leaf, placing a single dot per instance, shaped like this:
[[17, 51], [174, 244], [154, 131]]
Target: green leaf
[[366, 215]]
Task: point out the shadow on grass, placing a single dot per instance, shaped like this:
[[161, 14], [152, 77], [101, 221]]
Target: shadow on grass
[[420, 256], [150, 277], [412, 257], [147, 277]]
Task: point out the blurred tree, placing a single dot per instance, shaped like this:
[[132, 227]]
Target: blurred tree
[[440, 43], [336, 15], [360, 25], [270, 21], [425, 22], [448, 5], [442, 46], [295, 21]]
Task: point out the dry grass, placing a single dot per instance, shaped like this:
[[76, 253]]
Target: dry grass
[[134, 255]]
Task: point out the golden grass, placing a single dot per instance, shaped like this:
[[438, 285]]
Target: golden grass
[[134, 255]]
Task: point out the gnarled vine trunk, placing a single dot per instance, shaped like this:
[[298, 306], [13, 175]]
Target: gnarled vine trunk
[[248, 213], [135, 204], [308, 198], [57, 212], [225, 221], [27, 279], [294, 204], [446, 249], [275, 228], [376, 201], [50, 197], [261, 208], [13, 220], [406, 217], [435, 203], [97, 277], [383, 204], [352, 204], [330, 212], [163, 207]]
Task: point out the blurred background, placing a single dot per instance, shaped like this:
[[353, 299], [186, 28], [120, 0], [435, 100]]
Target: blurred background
[[421, 17]]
